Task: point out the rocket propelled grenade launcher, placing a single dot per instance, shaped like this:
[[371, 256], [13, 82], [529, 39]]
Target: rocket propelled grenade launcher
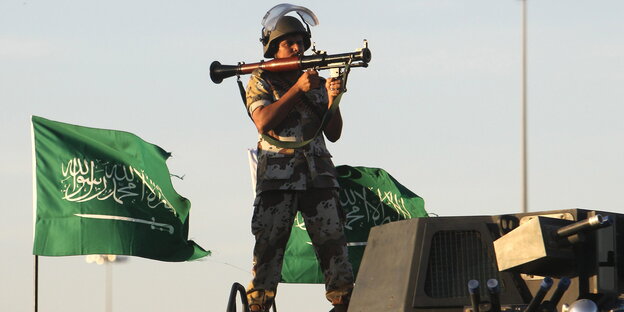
[[320, 60]]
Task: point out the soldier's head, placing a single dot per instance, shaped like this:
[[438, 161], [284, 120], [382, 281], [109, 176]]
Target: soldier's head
[[290, 45], [289, 38]]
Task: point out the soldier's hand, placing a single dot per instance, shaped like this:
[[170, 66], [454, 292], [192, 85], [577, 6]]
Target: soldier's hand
[[308, 81], [333, 86]]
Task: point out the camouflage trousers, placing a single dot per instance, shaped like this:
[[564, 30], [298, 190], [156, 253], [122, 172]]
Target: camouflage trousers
[[273, 217]]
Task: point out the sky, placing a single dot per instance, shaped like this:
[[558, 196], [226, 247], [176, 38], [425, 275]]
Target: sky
[[439, 108]]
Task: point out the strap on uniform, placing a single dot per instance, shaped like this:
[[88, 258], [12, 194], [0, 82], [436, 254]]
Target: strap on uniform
[[243, 94], [326, 118]]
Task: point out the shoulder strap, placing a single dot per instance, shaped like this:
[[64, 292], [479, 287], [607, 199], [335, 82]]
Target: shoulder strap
[[243, 94], [326, 118]]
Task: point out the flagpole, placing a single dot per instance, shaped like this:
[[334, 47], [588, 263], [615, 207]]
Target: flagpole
[[525, 208], [34, 190], [36, 282], [108, 300]]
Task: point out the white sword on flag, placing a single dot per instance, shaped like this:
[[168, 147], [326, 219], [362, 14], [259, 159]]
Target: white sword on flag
[[153, 224]]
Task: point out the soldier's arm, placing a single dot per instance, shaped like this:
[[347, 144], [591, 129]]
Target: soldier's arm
[[333, 129], [268, 117]]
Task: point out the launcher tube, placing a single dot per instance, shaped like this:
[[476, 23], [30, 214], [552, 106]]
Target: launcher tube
[[360, 58], [563, 285], [580, 226], [539, 296], [494, 290], [475, 299]]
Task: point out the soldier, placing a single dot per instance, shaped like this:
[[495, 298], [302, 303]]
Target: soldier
[[289, 106]]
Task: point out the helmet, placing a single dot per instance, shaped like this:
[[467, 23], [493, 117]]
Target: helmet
[[286, 25]]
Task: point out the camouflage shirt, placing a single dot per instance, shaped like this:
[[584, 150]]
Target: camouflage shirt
[[291, 169]]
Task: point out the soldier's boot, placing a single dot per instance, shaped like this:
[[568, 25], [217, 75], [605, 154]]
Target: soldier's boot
[[257, 308], [340, 308], [260, 300]]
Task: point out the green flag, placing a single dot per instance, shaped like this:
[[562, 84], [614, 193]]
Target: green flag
[[105, 192], [369, 197]]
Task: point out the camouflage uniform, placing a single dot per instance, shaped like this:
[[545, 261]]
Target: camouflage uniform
[[291, 180]]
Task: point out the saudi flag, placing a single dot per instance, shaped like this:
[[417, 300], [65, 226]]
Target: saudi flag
[[368, 197], [105, 192]]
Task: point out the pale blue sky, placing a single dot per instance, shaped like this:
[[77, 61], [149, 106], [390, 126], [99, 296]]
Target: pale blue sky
[[438, 108]]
